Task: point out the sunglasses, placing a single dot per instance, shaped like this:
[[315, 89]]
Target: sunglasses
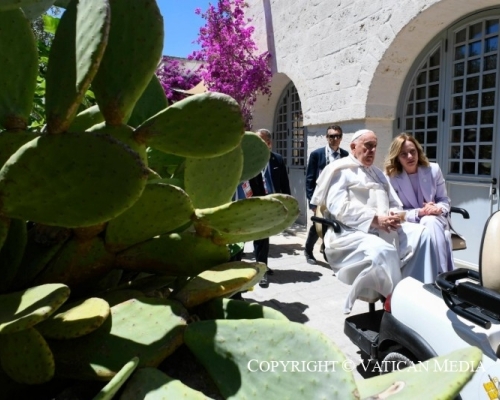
[[334, 136]]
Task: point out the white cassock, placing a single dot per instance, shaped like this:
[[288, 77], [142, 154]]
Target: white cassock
[[372, 261]]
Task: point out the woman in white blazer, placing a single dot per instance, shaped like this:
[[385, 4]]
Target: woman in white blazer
[[421, 188]]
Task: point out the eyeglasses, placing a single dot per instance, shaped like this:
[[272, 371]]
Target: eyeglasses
[[334, 136], [413, 153]]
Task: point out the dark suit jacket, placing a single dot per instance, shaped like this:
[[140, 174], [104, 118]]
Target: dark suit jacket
[[279, 176], [316, 164]]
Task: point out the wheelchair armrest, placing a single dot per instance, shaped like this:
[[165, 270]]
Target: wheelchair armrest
[[459, 210], [328, 222]]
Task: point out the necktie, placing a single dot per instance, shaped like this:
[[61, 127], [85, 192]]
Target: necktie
[[335, 155]]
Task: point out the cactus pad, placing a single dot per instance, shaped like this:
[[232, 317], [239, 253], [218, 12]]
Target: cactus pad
[[236, 309], [152, 384], [231, 351], [31, 306], [164, 164], [212, 181], [12, 252], [148, 328], [35, 258], [19, 60], [4, 230], [255, 155], [162, 255], [75, 319], [132, 54], [79, 262], [152, 101], [170, 132], [161, 209], [431, 378], [218, 281], [240, 217], [74, 63], [86, 119], [26, 357], [10, 141], [108, 391], [293, 211], [37, 182]]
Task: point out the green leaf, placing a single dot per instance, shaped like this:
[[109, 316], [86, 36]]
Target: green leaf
[[50, 23]]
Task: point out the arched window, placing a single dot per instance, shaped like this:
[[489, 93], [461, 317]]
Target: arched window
[[450, 100], [289, 130]]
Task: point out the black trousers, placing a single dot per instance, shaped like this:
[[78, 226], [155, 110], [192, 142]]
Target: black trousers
[[261, 250], [312, 238]]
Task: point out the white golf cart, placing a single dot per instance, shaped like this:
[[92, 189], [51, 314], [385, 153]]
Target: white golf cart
[[420, 321]]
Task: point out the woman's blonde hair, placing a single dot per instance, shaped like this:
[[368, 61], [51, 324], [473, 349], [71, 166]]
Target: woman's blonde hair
[[392, 165]]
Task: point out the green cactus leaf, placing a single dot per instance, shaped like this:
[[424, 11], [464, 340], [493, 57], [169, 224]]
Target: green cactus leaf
[[62, 3], [429, 377], [181, 129], [162, 163], [145, 283], [134, 49], [12, 252], [89, 232], [152, 384], [115, 297], [240, 217], [152, 101], [75, 319], [236, 309], [4, 230], [14, 4], [219, 281], [255, 155], [162, 255], [34, 10], [74, 63], [10, 141], [161, 209], [231, 351], [86, 119], [37, 182], [293, 211], [112, 387], [19, 60], [36, 257], [26, 357], [124, 134], [148, 328], [79, 262], [24, 309], [212, 181]]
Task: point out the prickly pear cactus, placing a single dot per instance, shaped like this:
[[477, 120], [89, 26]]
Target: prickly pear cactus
[[116, 223]]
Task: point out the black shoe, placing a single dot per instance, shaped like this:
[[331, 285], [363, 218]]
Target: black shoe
[[270, 271], [310, 258], [264, 283]]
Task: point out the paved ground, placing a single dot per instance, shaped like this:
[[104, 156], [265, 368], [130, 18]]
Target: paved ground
[[309, 294]]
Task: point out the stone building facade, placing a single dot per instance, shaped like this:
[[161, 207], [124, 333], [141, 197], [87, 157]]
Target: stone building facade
[[427, 67]]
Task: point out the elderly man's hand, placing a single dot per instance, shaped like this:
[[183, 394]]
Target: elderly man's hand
[[387, 222]]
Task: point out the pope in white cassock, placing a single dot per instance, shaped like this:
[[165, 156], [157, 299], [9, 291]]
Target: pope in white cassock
[[378, 249]]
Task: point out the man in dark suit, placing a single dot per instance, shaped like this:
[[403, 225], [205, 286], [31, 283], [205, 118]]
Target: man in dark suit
[[274, 179], [318, 160]]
